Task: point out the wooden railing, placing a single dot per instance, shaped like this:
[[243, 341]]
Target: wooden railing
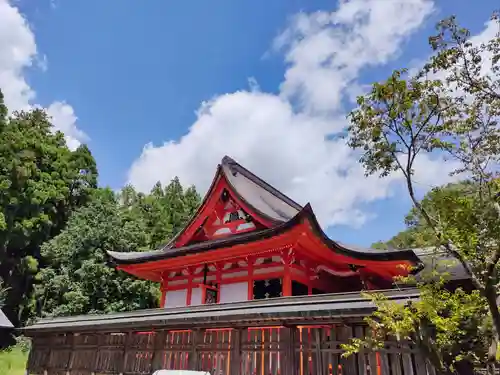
[[299, 350]]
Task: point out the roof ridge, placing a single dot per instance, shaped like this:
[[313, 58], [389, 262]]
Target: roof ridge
[[232, 164]]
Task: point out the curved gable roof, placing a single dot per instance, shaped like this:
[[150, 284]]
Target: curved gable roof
[[261, 197], [258, 194]]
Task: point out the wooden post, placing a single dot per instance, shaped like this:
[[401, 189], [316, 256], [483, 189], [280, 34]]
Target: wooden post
[[319, 365], [287, 277], [193, 355], [163, 289], [71, 354], [218, 279], [95, 368], [123, 362], [189, 287], [250, 277], [288, 339], [235, 354], [158, 345]]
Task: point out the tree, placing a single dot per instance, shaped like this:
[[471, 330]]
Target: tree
[[418, 234], [78, 279], [449, 109], [164, 212], [41, 183], [448, 327]]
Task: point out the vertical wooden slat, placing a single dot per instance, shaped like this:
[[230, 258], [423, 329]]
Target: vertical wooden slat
[[194, 361], [420, 365], [72, 353], [359, 332], [396, 364], [407, 364], [123, 364], [318, 358], [235, 366], [334, 357], [277, 352], [283, 346], [96, 358], [292, 354], [384, 363], [348, 365], [157, 350]]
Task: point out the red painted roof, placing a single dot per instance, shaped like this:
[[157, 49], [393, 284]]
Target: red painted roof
[[276, 212]]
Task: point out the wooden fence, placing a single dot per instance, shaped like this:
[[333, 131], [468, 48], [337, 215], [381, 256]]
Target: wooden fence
[[306, 350]]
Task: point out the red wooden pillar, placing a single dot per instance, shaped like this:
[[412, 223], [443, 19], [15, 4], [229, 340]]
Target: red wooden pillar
[[287, 275], [218, 279], [250, 278], [163, 289], [189, 287]]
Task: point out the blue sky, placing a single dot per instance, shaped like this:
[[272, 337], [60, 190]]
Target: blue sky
[[136, 72]]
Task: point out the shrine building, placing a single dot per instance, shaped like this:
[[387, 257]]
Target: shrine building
[[249, 241], [251, 286]]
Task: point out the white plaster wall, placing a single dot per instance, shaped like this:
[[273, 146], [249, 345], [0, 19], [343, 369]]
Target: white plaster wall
[[196, 296], [176, 298], [234, 292]]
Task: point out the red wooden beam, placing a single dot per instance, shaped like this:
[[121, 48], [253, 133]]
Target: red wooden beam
[[218, 279], [250, 278], [258, 248], [163, 289], [189, 287], [287, 279], [232, 270]]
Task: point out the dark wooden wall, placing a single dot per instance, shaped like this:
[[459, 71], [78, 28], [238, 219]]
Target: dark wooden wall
[[307, 350]]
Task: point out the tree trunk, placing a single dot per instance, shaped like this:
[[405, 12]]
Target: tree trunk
[[491, 297], [492, 356]]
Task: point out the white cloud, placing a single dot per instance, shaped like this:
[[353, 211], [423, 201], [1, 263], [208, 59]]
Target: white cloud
[[64, 119], [291, 146], [328, 50], [18, 52]]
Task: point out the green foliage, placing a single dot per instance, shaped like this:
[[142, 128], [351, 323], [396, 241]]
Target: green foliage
[[78, 279], [13, 360], [450, 328], [41, 183], [56, 225], [450, 109], [164, 212], [418, 234]]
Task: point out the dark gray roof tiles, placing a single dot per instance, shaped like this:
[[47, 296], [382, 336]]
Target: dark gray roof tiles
[[439, 260], [257, 193]]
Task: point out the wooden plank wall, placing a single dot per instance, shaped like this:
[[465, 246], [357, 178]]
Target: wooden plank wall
[[306, 350]]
